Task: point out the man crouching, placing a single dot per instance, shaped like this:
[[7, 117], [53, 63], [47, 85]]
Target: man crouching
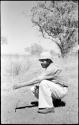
[[49, 87]]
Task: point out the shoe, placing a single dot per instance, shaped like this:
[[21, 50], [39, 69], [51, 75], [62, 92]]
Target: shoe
[[46, 110]]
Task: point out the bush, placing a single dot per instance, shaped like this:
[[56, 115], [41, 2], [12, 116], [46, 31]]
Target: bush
[[57, 19]]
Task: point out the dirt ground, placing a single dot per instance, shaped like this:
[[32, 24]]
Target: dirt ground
[[65, 113]]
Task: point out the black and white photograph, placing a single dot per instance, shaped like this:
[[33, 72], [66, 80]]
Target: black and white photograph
[[39, 62]]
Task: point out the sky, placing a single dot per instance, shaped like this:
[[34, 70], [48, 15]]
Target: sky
[[17, 28]]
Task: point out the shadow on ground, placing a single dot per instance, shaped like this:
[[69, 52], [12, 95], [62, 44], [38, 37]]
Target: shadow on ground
[[33, 104], [56, 102]]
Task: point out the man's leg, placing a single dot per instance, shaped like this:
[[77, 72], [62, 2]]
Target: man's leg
[[45, 100], [58, 91], [49, 90]]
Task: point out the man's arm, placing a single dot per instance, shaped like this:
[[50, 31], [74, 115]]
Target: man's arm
[[49, 75], [51, 72], [24, 84], [34, 81], [46, 75]]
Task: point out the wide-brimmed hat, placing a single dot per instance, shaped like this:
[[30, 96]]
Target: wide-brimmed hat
[[45, 55]]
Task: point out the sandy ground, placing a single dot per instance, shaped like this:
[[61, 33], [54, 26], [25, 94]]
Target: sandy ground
[[65, 113]]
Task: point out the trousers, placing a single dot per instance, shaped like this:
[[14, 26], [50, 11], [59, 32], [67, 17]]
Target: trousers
[[48, 91]]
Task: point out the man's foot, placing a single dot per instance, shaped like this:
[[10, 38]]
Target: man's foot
[[46, 110]]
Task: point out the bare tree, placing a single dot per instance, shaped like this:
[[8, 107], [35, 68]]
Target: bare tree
[[57, 19]]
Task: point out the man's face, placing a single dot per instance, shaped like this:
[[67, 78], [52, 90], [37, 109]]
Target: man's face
[[44, 63]]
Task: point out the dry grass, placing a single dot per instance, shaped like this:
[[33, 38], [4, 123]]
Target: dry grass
[[62, 115], [18, 68]]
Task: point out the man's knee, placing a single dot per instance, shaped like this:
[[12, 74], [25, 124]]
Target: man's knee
[[43, 83]]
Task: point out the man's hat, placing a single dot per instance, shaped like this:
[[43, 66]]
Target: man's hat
[[45, 55]]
